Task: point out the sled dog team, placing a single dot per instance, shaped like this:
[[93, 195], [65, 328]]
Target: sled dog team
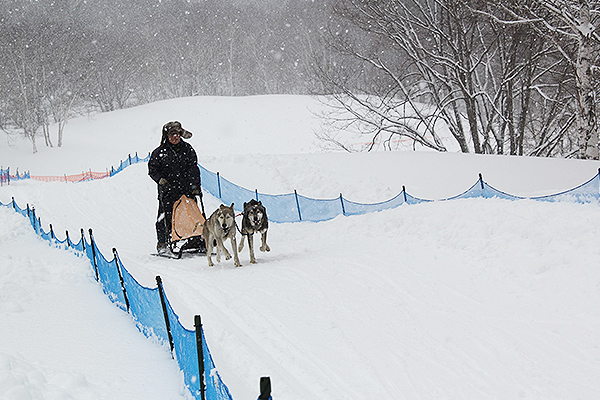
[[221, 226], [174, 167]]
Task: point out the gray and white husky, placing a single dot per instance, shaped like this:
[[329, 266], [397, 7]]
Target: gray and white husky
[[219, 227], [254, 220]]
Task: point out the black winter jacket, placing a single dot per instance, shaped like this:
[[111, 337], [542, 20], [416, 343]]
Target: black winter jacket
[[178, 164]]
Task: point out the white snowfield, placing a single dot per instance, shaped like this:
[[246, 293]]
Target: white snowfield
[[463, 299]]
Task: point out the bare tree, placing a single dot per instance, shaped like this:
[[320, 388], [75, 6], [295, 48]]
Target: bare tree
[[569, 26], [23, 82], [431, 62], [62, 77], [39, 87], [532, 76]]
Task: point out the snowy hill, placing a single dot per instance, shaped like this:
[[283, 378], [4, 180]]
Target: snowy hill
[[477, 299]]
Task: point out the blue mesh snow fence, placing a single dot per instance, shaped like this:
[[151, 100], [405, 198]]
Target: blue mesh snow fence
[[4, 176], [130, 160], [294, 207]]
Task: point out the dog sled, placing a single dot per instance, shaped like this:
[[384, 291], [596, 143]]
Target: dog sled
[[186, 228]]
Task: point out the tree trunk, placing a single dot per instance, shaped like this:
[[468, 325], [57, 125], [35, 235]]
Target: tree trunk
[[587, 122], [61, 126], [510, 114], [31, 136]]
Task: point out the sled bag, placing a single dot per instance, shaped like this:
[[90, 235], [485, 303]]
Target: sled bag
[[187, 219]]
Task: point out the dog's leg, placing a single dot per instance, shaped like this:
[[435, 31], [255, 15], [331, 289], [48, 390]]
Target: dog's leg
[[209, 249], [224, 249], [264, 246], [218, 248], [242, 243], [251, 247], [236, 259]]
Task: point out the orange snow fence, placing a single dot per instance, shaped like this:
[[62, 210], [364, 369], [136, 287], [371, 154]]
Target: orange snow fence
[[85, 176]]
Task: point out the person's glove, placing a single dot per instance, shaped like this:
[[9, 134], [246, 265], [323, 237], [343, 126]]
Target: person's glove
[[162, 181], [195, 191]]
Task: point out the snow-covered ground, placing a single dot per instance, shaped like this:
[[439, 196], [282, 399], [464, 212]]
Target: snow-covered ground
[[473, 299]]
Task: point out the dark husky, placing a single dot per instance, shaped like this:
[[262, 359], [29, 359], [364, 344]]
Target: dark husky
[[254, 220], [219, 227]]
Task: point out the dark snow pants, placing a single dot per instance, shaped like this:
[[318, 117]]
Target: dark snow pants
[[164, 218]]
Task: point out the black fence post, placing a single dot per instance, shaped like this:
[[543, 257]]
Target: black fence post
[[94, 254], [33, 219], [14, 204], [82, 239], [200, 347], [121, 277], [165, 312], [265, 388], [404, 192], [256, 193], [68, 240], [219, 184], [298, 205], [342, 201], [51, 232], [481, 181]]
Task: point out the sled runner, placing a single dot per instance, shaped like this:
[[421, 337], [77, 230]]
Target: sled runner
[[186, 228]]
